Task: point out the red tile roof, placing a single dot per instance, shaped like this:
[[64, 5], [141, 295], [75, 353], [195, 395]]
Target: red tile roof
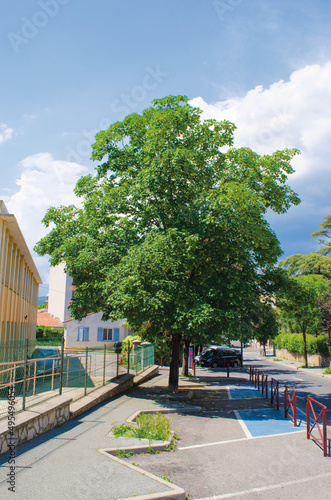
[[45, 319]]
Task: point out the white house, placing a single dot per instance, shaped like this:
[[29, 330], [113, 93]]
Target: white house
[[91, 331]]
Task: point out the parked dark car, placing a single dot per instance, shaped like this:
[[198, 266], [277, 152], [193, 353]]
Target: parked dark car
[[221, 358], [117, 346], [44, 364]]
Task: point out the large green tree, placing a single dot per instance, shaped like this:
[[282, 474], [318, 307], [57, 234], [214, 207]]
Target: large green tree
[[324, 235], [298, 303], [172, 231]]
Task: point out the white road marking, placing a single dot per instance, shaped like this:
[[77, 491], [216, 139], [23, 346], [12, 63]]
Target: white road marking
[[236, 440], [211, 444], [243, 425], [266, 488], [297, 378]]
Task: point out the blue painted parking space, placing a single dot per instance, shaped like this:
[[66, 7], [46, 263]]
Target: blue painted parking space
[[242, 392], [268, 422]]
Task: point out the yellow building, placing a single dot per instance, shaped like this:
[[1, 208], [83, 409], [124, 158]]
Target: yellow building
[[19, 284]]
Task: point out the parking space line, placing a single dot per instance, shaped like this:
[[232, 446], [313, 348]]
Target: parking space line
[[211, 444], [267, 488], [202, 445], [243, 425]]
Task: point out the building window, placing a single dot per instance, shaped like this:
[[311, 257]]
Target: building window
[[107, 334], [83, 334]]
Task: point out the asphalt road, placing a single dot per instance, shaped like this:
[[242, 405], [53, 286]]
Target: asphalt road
[[305, 381]]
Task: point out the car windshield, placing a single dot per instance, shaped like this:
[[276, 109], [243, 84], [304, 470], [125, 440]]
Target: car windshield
[[44, 353], [209, 352]]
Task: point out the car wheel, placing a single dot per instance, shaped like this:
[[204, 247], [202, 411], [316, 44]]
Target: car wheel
[[214, 364], [235, 364]]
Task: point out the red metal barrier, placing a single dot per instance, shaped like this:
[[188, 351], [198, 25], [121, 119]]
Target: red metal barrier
[[322, 432], [274, 392], [290, 403], [257, 378], [264, 383]]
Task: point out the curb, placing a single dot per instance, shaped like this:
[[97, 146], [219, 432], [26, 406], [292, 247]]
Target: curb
[[175, 491]]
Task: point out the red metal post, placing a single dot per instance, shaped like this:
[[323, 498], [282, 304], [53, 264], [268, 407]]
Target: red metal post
[[285, 402], [266, 386], [258, 380], [161, 362], [325, 448], [228, 370], [308, 418], [193, 367], [262, 382], [295, 408]]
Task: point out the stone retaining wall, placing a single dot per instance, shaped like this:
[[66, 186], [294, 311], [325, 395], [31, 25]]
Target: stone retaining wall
[[33, 422], [313, 359], [54, 412]]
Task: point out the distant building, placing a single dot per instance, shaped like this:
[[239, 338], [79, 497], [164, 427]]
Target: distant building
[[46, 319], [19, 285], [91, 331]]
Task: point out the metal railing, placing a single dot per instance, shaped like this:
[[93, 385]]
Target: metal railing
[[264, 385], [290, 404], [83, 370], [322, 439]]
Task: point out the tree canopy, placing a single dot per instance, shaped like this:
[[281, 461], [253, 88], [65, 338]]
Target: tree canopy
[[172, 231], [324, 235], [298, 302]]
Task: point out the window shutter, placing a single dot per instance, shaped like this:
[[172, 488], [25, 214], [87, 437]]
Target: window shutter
[[116, 334], [80, 333], [100, 333], [86, 333]]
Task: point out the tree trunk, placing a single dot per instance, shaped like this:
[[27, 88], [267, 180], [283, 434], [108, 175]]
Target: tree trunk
[[174, 362], [242, 353], [305, 346], [186, 347]]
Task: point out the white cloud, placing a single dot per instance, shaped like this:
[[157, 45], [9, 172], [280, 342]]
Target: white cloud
[[287, 114], [6, 133], [43, 182], [291, 114]]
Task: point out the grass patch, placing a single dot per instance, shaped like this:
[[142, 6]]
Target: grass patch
[[165, 478], [124, 453], [277, 359], [123, 431], [327, 371], [173, 442], [152, 426]]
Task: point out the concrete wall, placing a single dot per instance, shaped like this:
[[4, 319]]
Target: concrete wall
[[313, 359]]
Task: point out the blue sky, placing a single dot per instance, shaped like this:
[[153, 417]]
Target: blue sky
[[70, 68]]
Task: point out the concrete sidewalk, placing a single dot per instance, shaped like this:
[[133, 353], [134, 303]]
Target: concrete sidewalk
[[215, 457]]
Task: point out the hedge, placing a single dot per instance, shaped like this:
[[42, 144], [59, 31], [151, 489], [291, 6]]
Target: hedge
[[293, 342]]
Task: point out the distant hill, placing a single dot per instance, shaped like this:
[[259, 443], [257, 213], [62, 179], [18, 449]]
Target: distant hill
[[41, 300]]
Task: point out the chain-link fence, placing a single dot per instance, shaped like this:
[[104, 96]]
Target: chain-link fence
[[52, 370]]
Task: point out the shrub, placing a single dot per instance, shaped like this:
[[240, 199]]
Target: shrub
[[149, 426], [293, 342]]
